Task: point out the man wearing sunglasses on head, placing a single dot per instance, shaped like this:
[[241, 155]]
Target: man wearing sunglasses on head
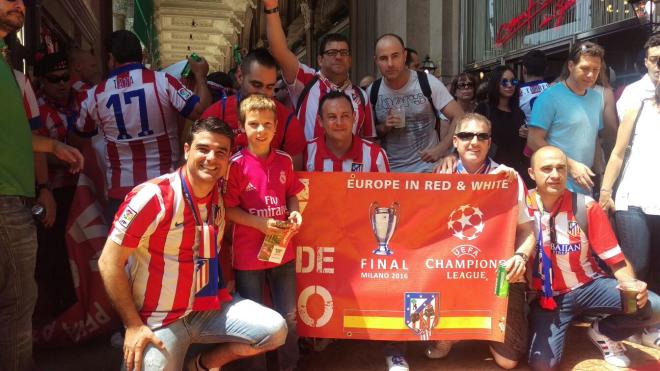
[[569, 115], [472, 141], [307, 86]]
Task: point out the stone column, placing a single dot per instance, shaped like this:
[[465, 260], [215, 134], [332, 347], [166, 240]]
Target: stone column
[[119, 10], [363, 35]]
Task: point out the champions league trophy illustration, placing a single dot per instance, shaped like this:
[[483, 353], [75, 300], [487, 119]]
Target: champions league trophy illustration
[[383, 223]]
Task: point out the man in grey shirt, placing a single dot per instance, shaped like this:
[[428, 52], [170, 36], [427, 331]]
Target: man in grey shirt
[[411, 141]]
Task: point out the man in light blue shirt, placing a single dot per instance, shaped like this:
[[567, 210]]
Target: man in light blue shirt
[[569, 115]]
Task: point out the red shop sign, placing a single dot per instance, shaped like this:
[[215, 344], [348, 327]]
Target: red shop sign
[[506, 31]]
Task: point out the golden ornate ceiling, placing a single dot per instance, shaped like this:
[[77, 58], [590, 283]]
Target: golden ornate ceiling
[[207, 27]]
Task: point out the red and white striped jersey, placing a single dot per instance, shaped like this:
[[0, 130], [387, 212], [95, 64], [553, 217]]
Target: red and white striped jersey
[[55, 123], [30, 103], [136, 109], [80, 89], [363, 156], [364, 123], [156, 220], [570, 249]]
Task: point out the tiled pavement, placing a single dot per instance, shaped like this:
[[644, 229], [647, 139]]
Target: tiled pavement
[[354, 355]]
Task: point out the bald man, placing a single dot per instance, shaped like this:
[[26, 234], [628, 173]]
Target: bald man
[[411, 143], [84, 69], [569, 281]]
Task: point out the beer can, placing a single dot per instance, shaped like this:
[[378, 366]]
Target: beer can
[[186, 69], [501, 283]]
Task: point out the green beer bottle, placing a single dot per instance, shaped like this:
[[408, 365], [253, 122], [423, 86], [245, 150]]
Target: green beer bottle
[[186, 69]]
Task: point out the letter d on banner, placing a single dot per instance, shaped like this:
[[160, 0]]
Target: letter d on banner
[[303, 309]]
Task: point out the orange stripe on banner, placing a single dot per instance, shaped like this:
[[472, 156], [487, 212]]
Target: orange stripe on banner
[[397, 323]]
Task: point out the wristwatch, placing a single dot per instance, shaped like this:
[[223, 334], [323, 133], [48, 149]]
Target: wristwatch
[[273, 10], [522, 255]]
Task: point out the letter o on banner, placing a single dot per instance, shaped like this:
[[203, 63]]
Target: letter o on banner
[[303, 298]]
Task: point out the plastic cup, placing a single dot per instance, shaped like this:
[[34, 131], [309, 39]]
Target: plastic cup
[[628, 291], [400, 112]]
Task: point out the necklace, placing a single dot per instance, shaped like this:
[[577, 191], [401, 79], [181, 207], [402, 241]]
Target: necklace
[[573, 91]]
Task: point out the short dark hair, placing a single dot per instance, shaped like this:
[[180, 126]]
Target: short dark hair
[[410, 52], [392, 35], [652, 42], [330, 38], [124, 46], [221, 78], [587, 48], [211, 125], [334, 94], [535, 62], [260, 55]]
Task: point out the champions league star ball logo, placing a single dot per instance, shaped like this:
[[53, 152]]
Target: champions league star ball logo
[[466, 222]]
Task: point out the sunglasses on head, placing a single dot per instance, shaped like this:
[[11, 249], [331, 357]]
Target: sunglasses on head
[[506, 82], [464, 85], [54, 79], [465, 135]]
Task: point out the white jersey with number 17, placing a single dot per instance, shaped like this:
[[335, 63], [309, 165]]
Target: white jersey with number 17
[[136, 109]]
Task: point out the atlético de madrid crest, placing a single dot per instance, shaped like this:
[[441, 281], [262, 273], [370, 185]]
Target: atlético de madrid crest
[[421, 312]]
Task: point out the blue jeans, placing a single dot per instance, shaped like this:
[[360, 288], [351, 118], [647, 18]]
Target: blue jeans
[[282, 283], [548, 327], [240, 320], [639, 236], [18, 290]]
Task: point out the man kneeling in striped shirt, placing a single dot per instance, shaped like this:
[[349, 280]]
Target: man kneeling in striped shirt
[[167, 232]]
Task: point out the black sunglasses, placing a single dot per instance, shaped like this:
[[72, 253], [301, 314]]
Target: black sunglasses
[[466, 85], [466, 135], [506, 82], [54, 79]]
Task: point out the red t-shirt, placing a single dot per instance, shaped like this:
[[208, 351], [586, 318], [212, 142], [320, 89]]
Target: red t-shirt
[[294, 143], [260, 187]]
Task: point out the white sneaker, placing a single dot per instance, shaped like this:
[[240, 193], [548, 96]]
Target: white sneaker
[[651, 337], [396, 363], [439, 349], [613, 351]]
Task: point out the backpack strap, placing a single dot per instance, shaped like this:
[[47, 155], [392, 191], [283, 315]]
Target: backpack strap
[[580, 211], [423, 79], [305, 92], [286, 127], [373, 97]]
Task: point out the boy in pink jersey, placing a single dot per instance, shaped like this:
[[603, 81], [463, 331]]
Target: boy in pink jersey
[[261, 192]]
